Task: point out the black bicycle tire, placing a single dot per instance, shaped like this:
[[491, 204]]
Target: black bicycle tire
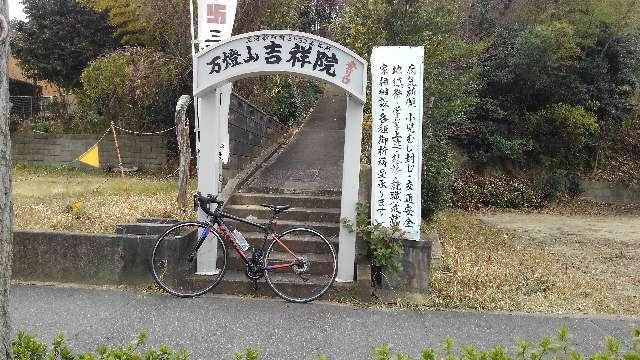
[[323, 290], [198, 293]]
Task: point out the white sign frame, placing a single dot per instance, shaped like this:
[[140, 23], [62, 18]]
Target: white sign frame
[[350, 76]]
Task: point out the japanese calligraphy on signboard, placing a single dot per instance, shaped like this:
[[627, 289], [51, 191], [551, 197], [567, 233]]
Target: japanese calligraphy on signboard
[[396, 151], [274, 51]]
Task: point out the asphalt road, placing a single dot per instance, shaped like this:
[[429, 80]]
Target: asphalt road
[[217, 326]]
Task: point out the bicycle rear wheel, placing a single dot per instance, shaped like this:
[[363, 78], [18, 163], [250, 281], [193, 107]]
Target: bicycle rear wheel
[[300, 277], [175, 257]]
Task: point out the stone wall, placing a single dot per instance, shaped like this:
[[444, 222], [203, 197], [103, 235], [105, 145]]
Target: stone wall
[[250, 130], [96, 259], [148, 152]]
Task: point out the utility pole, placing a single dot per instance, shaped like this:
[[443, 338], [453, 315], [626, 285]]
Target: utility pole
[[6, 222]]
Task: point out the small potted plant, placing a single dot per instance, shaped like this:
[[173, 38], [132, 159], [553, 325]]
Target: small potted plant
[[384, 244]]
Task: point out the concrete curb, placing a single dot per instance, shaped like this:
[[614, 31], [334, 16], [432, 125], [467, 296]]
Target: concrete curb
[[93, 259]]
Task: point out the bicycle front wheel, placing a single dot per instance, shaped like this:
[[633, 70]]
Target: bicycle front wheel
[[296, 276], [189, 259]]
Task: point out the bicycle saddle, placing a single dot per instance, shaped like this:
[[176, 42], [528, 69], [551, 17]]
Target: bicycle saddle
[[277, 208]]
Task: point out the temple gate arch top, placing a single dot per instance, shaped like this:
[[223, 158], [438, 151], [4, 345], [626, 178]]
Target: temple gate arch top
[[280, 51], [272, 52]]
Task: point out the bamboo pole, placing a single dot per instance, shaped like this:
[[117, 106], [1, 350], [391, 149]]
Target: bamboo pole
[[115, 141]]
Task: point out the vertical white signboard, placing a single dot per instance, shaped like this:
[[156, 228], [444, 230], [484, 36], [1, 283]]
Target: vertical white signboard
[[396, 147], [215, 24]]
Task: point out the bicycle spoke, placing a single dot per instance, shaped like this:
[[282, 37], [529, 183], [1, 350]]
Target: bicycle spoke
[[174, 261], [300, 276]]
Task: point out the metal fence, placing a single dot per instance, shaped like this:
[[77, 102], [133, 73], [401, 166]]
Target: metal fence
[[25, 107]]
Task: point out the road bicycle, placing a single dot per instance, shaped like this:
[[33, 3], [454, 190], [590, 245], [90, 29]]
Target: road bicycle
[[293, 277]]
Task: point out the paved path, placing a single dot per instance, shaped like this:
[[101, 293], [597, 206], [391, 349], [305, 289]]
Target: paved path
[[313, 160], [215, 327]]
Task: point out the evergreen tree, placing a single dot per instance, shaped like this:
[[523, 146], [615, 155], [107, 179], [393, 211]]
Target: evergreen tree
[[59, 38]]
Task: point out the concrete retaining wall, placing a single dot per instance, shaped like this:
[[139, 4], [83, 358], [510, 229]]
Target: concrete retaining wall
[[95, 259], [250, 130], [611, 193], [53, 149]]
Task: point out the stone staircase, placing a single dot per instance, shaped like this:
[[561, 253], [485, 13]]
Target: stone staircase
[[318, 212], [321, 213]]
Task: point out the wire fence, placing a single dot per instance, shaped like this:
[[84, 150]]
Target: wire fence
[[106, 132], [25, 107]]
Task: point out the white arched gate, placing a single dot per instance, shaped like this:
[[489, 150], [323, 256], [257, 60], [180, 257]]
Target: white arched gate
[[270, 52]]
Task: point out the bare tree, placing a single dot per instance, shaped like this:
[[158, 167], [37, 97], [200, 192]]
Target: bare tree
[[5, 185]]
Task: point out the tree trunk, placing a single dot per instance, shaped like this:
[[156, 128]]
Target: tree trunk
[[5, 187], [182, 132]]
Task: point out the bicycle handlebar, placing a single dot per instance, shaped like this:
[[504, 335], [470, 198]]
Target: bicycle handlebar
[[203, 202]]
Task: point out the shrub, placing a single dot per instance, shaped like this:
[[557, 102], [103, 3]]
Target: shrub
[[365, 153], [137, 88], [287, 98], [27, 347], [558, 347], [384, 244], [15, 123], [286, 106], [70, 123], [472, 191], [561, 183], [573, 122], [438, 171], [248, 354]]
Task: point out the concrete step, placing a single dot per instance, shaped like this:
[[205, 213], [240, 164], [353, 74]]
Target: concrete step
[[237, 283], [320, 264], [157, 220], [296, 213], [328, 229], [301, 244], [142, 228], [262, 189], [301, 201]]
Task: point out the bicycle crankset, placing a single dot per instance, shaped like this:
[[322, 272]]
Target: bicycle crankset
[[254, 272], [301, 265]]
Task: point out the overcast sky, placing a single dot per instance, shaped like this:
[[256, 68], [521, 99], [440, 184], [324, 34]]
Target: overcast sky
[[15, 10]]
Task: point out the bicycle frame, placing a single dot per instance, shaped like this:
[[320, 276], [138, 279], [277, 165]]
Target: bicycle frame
[[217, 219]]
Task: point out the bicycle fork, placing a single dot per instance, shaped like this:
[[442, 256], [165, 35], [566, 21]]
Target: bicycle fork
[[203, 236]]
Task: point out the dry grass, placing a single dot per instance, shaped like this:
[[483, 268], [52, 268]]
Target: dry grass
[[89, 201], [484, 267], [488, 268]]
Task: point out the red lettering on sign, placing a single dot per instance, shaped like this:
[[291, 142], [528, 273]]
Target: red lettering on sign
[[351, 66]]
